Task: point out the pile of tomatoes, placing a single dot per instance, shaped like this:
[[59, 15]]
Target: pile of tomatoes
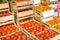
[[2, 14], [33, 27], [7, 29], [46, 35], [16, 36], [38, 30]]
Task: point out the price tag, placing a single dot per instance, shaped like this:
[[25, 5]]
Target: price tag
[[48, 13], [56, 38]]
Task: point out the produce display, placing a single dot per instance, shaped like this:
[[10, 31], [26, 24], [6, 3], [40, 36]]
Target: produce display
[[38, 30], [3, 14], [42, 12], [7, 29], [16, 36], [53, 21], [42, 8]]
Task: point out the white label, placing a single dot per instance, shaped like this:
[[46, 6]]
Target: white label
[[44, 20], [53, 0], [37, 1], [56, 14], [54, 6], [48, 13], [56, 38]]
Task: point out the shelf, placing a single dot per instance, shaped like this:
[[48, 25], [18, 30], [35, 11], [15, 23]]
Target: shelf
[[6, 18], [4, 5], [26, 17], [20, 8], [25, 13], [1, 24], [22, 3], [25, 7], [9, 19], [4, 10]]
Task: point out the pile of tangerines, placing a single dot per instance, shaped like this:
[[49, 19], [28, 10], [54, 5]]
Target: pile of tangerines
[[42, 8], [57, 27], [54, 21]]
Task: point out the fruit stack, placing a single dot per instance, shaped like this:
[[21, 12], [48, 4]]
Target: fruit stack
[[57, 27], [37, 29], [16, 36], [7, 29], [42, 8], [54, 21]]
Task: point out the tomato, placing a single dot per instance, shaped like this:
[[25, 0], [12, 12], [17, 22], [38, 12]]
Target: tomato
[[28, 39], [0, 39], [15, 38], [16, 34], [8, 38], [3, 39], [24, 37], [12, 36]]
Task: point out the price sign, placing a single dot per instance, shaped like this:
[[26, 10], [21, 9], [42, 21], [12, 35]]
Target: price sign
[[48, 13]]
